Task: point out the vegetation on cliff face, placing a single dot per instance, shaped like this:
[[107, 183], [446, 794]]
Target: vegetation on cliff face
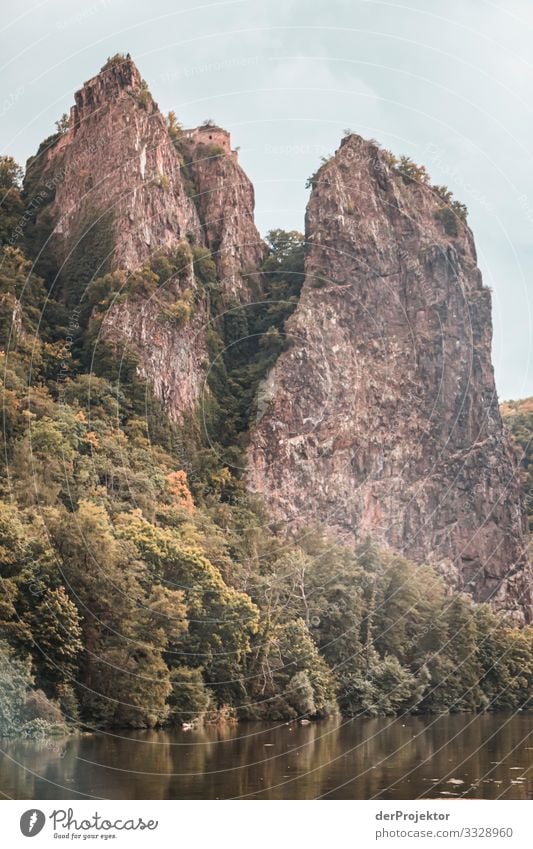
[[450, 214], [246, 341], [143, 585], [518, 416]]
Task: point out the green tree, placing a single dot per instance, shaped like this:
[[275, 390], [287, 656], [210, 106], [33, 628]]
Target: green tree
[[190, 698], [56, 631]]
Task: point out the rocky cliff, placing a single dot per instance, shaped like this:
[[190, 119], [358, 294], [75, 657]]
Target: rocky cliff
[[114, 190], [382, 416], [224, 197], [116, 162]]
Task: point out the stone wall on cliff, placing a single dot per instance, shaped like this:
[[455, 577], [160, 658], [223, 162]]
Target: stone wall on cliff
[[225, 201], [382, 417]]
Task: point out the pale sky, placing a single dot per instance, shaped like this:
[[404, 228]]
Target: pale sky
[[448, 83]]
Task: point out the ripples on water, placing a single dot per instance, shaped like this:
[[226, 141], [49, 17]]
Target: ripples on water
[[483, 757]]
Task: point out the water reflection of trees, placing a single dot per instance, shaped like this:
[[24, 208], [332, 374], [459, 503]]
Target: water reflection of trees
[[392, 758]]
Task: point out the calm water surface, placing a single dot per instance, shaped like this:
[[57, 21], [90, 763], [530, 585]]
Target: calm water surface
[[484, 757]]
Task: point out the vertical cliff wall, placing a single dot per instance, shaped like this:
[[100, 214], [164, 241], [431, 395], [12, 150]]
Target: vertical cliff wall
[[382, 417], [117, 161], [115, 191], [225, 201]]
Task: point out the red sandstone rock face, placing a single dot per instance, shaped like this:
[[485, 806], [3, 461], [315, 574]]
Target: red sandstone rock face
[[225, 202], [117, 158], [118, 161], [174, 361], [382, 417]]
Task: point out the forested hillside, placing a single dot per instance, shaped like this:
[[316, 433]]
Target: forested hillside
[[143, 585]]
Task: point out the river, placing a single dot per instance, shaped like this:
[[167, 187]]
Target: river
[[484, 756]]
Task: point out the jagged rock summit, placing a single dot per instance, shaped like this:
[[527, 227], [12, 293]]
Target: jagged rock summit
[[121, 189], [117, 162], [382, 416]]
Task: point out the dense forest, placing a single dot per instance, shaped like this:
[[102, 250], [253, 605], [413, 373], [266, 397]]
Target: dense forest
[[143, 585]]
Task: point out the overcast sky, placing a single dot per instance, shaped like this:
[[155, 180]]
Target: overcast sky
[[449, 83]]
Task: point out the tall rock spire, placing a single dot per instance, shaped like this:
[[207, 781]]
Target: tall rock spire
[[225, 201], [382, 416], [116, 162], [117, 190]]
